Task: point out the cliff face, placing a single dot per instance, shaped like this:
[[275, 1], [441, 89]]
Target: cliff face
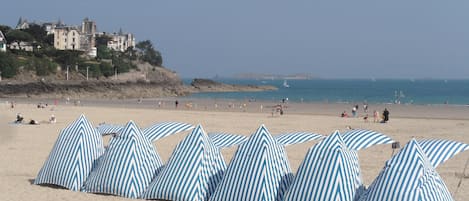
[[144, 82], [93, 89]]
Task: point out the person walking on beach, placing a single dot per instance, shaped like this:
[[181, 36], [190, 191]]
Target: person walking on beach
[[176, 103], [375, 116], [385, 115], [354, 110], [365, 107]]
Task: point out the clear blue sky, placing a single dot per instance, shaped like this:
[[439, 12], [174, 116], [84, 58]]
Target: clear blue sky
[[327, 38]]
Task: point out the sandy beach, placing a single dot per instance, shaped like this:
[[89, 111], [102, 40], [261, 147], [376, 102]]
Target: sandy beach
[[24, 148]]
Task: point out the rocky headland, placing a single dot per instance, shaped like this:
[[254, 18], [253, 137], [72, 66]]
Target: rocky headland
[[146, 82]]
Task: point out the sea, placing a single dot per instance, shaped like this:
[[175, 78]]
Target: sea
[[392, 91]]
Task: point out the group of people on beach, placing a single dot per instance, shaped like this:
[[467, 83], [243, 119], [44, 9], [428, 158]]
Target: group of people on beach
[[384, 118], [19, 120]]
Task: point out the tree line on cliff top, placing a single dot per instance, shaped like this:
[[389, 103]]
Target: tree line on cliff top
[[46, 60]]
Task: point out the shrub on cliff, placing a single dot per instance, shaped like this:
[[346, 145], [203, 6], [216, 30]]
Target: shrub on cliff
[[8, 65]]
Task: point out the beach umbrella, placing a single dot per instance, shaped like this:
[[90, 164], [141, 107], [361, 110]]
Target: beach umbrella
[[259, 170], [73, 156], [107, 129], [410, 175], [194, 169], [164, 129], [128, 165], [330, 170]]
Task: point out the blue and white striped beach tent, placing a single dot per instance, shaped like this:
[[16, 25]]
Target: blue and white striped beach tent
[[128, 165], [73, 156], [224, 140], [330, 170], [164, 129], [107, 129], [296, 137], [410, 175], [259, 170], [193, 170]]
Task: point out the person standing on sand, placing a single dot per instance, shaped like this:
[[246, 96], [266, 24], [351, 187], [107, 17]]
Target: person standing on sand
[[354, 111], [176, 103], [385, 115], [365, 107], [375, 116]]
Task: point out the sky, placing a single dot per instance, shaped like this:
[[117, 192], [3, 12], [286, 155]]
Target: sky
[[324, 38]]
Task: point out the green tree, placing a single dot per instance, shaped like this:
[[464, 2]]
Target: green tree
[[37, 32], [49, 40], [68, 57], [148, 53], [104, 52], [8, 65], [102, 40], [106, 69], [5, 29], [18, 35]]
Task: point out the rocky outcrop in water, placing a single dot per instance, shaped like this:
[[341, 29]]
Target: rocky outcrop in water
[[206, 85]]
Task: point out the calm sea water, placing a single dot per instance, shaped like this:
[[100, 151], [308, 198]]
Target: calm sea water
[[353, 91]]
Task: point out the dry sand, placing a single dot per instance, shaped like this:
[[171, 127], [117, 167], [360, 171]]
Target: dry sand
[[24, 148]]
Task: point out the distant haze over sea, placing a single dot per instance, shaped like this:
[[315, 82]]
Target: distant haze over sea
[[261, 76]]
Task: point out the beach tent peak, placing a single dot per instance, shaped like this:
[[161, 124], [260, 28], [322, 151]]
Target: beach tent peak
[[128, 165], [259, 170], [192, 172], [73, 156], [421, 182]]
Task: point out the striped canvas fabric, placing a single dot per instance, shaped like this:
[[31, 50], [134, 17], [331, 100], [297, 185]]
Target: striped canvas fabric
[[164, 129], [224, 140], [361, 139], [259, 171], [107, 129], [192, 172], [438, 151], [408, 176], [331, 170], [296, 137], [128, 165], [73, 156]]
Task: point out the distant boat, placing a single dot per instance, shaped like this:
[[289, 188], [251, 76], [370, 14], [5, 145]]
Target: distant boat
[[285, 84]]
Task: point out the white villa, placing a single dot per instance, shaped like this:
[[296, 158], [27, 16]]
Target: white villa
[[3, 43], [121, 41]]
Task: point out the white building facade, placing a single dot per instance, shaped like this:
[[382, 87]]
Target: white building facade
[[67, 38], [3, 42], [121, 41]]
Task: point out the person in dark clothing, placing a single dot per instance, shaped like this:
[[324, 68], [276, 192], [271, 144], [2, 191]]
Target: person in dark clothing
[[19, 118], [176, 103], [385, 115]]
